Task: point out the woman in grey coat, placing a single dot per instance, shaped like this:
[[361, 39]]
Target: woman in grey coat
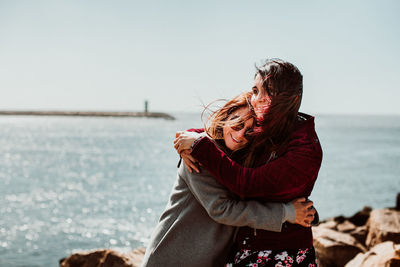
[[199, 222]]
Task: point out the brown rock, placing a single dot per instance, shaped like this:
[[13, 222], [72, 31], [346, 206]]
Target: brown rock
[[345, 227], [398, 202], [360, 234], [383, 225], [334, 248], [385, 254], [330, 224], [339, 219], [361, 217], [104, 258]]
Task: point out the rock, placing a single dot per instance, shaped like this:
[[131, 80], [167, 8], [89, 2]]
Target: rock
[[334, 248], [346, 227], [330, 224], [385, 254], [360, 234], [383, 225], [339, 219], [398, 202], [104, 258], [361, 217]]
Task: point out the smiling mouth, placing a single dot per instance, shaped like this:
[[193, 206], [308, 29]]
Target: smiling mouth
[[235, 140]]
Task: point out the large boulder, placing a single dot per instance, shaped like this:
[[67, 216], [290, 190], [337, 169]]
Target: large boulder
[[361, 217], [334, 248], [360, 234], [104, 258], [346, 227], [383, 225], [385, 254], [330, 224]]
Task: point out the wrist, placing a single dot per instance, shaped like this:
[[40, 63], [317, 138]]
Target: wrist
[[195, 142], [290, 212]]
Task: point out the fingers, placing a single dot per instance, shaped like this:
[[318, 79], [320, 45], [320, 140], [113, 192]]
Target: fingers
[[312, 211], [309, 204], [188, 167], [301, 199], [178, 133], [177, 139], [190, 162], [191, 166], [308, 220], [305, 224], [178, 143], [304, 211], [190, 156]]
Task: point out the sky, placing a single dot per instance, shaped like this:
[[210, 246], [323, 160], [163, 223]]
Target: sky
[[180, 55]]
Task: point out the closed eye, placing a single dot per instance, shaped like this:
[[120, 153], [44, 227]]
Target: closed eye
[[238, 127], [234, 117]]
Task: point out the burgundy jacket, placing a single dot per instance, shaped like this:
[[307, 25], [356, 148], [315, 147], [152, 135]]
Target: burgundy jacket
[[280, 179]]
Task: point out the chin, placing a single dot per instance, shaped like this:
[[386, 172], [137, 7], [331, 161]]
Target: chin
[[231, 147], [234, 148]]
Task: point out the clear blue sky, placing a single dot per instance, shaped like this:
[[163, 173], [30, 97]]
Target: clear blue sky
[[112, 55]]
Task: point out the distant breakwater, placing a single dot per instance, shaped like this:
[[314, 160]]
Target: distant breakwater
[[160, 115]]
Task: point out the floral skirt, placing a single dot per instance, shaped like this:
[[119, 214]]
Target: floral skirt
[[276, 258]]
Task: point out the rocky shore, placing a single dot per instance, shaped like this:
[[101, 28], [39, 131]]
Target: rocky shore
[[369, 238]]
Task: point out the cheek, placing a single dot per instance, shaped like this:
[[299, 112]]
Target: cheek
[[244, 143], [253, 100], [225, 133]]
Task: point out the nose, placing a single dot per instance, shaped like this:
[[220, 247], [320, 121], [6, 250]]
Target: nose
[[241, 133]]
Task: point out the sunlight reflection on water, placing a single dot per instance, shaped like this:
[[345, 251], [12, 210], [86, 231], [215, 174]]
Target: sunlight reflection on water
[[70, 184]]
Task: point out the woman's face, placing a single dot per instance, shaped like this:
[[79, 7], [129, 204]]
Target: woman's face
[[235, 137], [260, 100]]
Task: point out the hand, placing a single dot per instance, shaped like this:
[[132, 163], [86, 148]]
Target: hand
[[190, 162], [184, 140], [304, 211]]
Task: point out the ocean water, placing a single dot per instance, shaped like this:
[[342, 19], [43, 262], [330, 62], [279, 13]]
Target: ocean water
[[70, 184]]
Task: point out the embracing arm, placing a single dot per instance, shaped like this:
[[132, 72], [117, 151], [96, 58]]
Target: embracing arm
[[286, 177], [223, 207]]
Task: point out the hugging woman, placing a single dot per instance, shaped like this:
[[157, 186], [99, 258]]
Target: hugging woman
[[198, 225], [281, 163]]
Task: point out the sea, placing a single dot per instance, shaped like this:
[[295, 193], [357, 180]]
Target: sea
[[69, 184]]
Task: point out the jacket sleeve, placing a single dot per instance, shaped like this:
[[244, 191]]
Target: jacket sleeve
[[286, 177], [223, 207], [200, 130]]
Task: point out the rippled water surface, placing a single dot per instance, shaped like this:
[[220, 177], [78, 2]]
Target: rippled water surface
[[70, 184]]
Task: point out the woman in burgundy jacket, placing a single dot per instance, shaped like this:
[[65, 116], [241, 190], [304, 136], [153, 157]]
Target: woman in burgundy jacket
[[281, 164]]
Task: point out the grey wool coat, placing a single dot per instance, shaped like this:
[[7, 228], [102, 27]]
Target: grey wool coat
[[199, 222]]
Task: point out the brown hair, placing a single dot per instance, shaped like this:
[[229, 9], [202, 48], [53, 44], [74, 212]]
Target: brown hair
[[218, 119], [284, 84]]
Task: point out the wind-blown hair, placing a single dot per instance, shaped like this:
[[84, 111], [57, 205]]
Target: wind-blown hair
[[218, 119], [284, 84]]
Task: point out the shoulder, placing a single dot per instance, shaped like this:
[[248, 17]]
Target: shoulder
[[304, 127], [305, 136]]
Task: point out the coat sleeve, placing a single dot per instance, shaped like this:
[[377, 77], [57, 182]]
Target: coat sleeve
[[286, 177], [225, 208], [200, 130]]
